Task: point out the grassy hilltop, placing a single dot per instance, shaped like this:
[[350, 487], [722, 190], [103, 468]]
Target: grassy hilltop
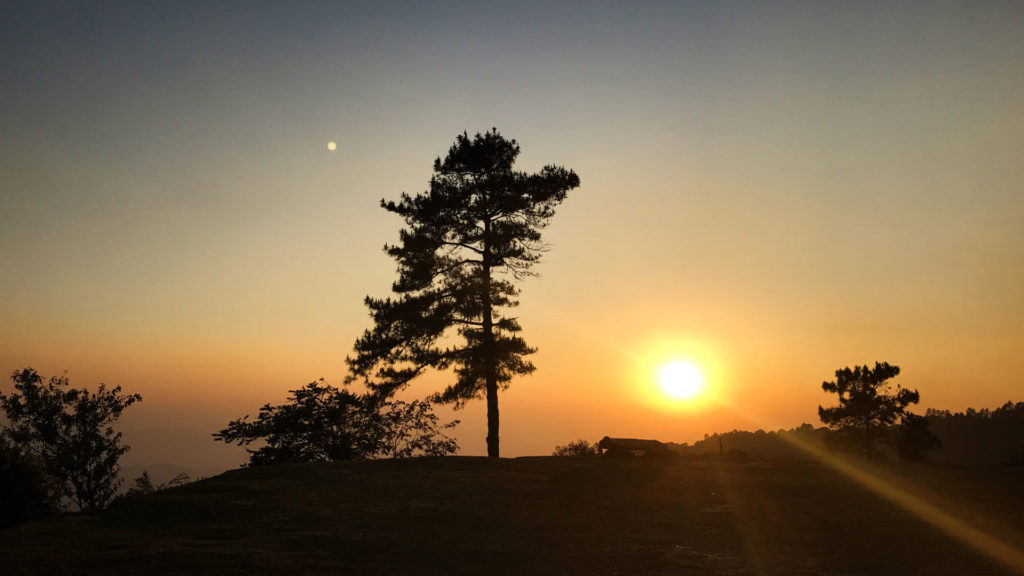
[[533, 516]]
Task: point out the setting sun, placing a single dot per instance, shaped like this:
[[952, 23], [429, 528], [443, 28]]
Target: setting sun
[[681, 379]]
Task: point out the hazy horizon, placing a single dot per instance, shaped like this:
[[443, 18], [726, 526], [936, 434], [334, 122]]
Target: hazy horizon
[[772, 191]]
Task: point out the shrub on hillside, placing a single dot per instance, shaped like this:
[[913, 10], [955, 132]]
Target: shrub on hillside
[[579, 447], [23, 488], [321, 423], [70, 433]]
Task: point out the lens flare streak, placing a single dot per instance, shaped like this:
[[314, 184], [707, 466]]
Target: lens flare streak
[[958, 529]]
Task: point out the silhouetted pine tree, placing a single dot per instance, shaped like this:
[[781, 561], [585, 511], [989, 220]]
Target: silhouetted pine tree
[[868, 403], [469, 237]]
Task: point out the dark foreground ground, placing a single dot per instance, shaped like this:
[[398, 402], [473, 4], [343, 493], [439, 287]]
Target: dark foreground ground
[[535, 516]]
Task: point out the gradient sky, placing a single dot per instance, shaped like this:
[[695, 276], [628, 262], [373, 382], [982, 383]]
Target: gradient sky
[[773, 190]]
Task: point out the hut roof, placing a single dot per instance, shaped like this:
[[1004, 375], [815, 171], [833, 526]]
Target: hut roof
[[631, 444]]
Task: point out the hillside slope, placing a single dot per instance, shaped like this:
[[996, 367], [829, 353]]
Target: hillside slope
[[531, 516]]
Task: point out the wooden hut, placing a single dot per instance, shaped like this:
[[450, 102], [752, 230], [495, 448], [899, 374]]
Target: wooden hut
[[633, 447]]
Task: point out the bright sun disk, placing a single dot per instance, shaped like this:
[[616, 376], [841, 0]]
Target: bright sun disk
[[680, 379]]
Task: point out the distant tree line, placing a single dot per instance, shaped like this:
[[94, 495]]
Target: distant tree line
[[974, 437], [980, 436], [741, 444]]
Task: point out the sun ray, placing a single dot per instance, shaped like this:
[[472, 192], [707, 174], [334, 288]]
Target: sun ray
[[959, 529]]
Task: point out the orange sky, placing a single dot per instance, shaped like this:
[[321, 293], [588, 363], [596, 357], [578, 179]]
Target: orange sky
[[772, 194]]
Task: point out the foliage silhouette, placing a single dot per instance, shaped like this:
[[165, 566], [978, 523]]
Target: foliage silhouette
[[180, 479], [142, 485], [474, 233], [758, 444], [321, 423], [914, 439], [980, 437], [70, 432], [579, 447], [868, 404], [23, 493]]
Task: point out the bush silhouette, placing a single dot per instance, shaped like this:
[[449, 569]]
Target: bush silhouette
[[23, 492], [321, 423], [69, 431], [579, 447]]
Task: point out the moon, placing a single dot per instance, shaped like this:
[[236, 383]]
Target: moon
[[332, 146]]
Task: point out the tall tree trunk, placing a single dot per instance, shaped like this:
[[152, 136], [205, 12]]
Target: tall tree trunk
[[490, 369], [867, 438], [492, 418]]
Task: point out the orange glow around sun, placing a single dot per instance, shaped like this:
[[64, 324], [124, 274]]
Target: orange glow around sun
[[676, 374], [679, 374]]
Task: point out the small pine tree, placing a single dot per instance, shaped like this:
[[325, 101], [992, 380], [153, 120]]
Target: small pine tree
[[142, 485], [868, 403]]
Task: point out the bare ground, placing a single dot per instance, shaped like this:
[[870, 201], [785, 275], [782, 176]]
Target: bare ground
[[538, 516]]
